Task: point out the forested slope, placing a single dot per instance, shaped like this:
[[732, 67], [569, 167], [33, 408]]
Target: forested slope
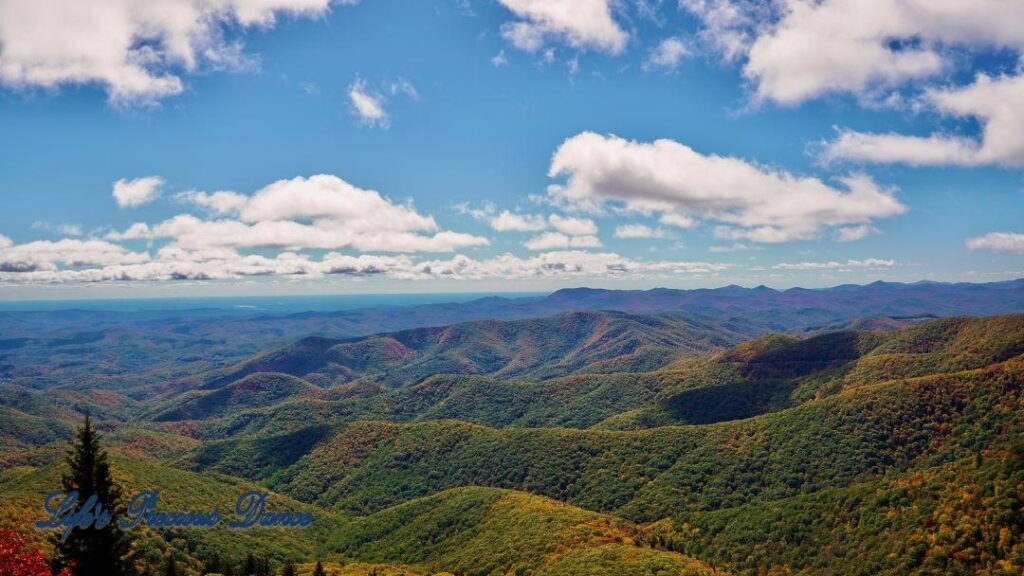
[[634, 445]]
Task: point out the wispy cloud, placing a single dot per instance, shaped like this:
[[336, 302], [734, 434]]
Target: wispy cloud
[[368, 106], [61, 229], [667, 55]]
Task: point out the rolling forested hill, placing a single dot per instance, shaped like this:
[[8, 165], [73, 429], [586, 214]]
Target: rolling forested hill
[[593, 442], [872, 470]]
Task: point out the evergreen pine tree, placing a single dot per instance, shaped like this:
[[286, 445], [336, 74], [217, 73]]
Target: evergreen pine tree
[[171, 568], [288, 569], [318, 570], [94, 551], [250, 568]]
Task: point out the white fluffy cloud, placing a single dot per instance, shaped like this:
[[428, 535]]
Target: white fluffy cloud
[[175, 263], [573, 226], [560, 241], [192, 232], [634, 231], [677, 220], [220, 202], [997, 103], [137, 50], [1010, 242], [509, 222], [325, 197], [43, 255], [749, 201], [137, 231], [852, 45], [322, 211], [797, 50], [178, 264], [883, 51], [572, 263], [562, 225], [578, 23], [132, 193], [914, 150], [669, 53]]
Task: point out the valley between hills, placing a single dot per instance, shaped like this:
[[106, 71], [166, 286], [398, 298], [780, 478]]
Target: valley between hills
[[859, 430]]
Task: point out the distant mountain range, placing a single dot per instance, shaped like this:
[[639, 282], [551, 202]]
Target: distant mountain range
[[787, 309], [96, 349]]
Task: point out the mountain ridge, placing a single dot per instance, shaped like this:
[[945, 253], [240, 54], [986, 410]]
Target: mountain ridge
[[538, 348]]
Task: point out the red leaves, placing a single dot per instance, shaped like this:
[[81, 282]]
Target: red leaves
[[19, 558]]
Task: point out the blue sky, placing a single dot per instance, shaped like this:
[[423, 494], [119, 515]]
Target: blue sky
[[391, 146]]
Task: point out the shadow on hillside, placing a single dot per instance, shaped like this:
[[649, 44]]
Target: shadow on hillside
[[805, 357], [732, 401], [252, 458]]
